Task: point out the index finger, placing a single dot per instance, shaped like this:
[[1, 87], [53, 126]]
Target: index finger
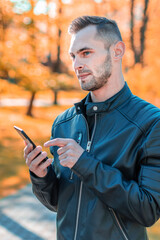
[[60, 142]]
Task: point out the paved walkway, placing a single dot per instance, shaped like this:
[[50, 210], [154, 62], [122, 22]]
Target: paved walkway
[[37, 102], [22, 217]]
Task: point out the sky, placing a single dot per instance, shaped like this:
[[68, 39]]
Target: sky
[[41, 7]]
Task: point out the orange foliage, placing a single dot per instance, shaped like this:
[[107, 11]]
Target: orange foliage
[[29, 40], [144, 82]]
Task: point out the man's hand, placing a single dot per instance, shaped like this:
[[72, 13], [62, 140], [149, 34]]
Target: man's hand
[[69, 150], [34, 162]]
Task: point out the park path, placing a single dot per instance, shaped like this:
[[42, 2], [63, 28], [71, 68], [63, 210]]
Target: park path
[[23, 217], [12, 102]]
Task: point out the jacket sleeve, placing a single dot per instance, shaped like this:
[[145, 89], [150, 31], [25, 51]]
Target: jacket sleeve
[[46, 188], [139, 201]]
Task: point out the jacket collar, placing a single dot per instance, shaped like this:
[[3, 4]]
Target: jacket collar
[[98, 107]]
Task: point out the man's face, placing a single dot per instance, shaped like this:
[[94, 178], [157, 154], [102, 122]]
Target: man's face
[[91, 61]]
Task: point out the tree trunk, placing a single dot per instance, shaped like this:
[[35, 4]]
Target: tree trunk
[[58, 60], [136, 54], [132, 27], [30, 107], [55, 101], [139, 53], [143, 30]]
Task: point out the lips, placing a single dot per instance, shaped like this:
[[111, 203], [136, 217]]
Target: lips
[[84, 75]]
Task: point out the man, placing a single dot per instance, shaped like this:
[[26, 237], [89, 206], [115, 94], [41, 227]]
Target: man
[[104, 181]]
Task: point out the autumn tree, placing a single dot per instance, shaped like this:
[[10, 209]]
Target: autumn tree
[[5, 65], [30, 73], [54, 61], [5, 20], [138, 42], [27, 63], [33, 78]]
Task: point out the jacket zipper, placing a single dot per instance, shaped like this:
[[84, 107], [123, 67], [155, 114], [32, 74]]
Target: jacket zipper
[[89, 143], [118, 223], [81, 184], [78, 210]]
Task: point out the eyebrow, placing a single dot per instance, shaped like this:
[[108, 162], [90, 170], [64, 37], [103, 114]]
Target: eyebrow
[[82, 49]]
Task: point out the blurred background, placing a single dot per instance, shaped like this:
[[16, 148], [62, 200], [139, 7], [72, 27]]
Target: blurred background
[[36, 78]]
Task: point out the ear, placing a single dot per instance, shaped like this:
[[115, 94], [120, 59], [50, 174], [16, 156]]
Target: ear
[[118, 50]]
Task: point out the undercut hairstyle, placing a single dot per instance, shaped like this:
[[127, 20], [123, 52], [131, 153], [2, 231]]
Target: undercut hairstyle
[[107, 29]]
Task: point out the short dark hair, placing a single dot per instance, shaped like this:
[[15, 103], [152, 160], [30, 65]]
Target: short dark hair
[[106, 28]]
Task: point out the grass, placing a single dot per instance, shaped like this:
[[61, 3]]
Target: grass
[[13, 170]]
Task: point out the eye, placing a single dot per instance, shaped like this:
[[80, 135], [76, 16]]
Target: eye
[[72, 56], [86, 53]]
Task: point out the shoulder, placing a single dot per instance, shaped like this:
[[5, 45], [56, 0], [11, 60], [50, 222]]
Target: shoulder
[[140, 112], [65, 116]]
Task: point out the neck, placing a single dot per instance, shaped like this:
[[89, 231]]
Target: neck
[[112, 87]]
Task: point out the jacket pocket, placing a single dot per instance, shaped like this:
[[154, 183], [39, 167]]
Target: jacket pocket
[[118, 224]]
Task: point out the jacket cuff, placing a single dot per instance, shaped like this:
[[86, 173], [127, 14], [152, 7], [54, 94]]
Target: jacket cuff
[[83, 164], [38, 180]]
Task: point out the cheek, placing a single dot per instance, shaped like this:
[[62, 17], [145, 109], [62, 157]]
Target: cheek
[[99, 67], [95, 64]]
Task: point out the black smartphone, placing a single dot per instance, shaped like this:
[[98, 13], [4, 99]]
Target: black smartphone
[[27, 139]]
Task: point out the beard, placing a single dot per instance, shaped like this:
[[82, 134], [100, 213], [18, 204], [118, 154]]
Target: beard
[[101, 78]]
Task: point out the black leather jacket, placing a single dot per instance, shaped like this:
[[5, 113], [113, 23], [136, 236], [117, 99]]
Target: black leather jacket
[[113, 191]]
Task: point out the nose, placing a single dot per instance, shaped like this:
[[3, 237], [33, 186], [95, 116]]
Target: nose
[[77, 64]]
